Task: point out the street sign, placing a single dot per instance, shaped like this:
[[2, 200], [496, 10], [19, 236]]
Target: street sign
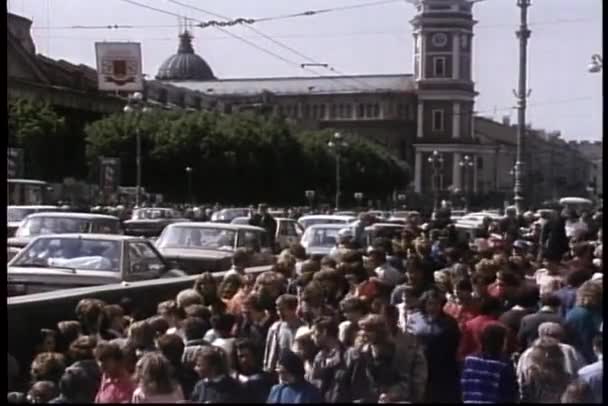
[[119, 66]]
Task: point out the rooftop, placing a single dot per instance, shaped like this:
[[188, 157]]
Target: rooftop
[[398, 83]]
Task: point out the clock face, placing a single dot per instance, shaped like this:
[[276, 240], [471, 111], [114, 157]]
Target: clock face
[[439, 39]]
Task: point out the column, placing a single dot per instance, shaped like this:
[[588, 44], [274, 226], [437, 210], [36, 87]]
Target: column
[[457, 171], [474, 157], [455, 56], [456, 120], [418, 173], [420, 120], [422, 55]]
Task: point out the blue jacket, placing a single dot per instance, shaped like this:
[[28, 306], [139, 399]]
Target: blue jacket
[[299, 392], [584, 324]]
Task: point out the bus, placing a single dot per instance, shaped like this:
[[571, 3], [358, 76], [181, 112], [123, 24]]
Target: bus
[[27, 192]]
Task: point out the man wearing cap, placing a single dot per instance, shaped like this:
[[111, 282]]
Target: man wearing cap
[[573, 360], [292, 387]]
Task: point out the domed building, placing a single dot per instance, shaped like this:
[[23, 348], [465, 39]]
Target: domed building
[[186, 64]]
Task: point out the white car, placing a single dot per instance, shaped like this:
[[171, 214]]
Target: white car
[[307, 221], [16, 214], [319, 239]]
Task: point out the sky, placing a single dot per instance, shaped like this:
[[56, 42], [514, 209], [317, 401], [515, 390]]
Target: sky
[[368, 40]]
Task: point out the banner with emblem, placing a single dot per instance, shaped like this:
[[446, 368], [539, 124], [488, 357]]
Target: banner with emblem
[[110, 174], [119, 66]]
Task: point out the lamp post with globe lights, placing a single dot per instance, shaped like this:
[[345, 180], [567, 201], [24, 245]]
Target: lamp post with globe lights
[[136, 105], [597, 64], [310, 196], [337, 144], [436, 161], [189, 174], [358, 197], [466, 164]]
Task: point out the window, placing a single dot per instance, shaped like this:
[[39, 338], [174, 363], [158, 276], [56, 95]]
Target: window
[[341, 111], [438, 120], [361, 111], [315, 111], [376, 110], [332, 111], [368, 110], [479, 162], [306, 111], [142, 258], [349, 111], [439, 66], [322, 111]]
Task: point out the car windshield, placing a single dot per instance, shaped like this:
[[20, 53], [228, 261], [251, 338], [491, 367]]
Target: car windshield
[[14, 214], [321, 237], [76, 253], [197, 237], [65, 225]]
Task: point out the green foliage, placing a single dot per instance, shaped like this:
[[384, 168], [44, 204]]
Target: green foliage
[[238, 158], [37, 128]]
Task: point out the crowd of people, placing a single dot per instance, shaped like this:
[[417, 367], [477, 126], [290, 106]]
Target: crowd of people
[[511, 316]]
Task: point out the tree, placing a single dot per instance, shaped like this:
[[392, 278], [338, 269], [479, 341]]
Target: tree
[[37, 128], [239, 158]]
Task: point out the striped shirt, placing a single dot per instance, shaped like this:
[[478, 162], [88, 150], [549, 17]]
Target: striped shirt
[[486, 380]]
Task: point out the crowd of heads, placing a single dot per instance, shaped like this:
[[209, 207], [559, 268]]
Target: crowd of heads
[[419, 317]]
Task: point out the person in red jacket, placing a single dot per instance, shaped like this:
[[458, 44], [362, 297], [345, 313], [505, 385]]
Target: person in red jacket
[[489, 311]]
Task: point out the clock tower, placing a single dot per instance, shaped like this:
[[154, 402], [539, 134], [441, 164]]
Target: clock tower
[[443, 38]]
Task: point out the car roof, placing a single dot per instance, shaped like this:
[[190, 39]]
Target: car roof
[[86, 236], [34, 206], [74, 215], [284, 219], [224, 226], [155, 208], [326, 217], [387, 225]]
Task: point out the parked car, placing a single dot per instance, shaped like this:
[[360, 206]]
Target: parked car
[[379, 214], [60, 223], [307, 221], [200, 247], [288, 230], [150, 222], [227, 215], [16, 214], [60, 261], [319, 239], [383, 230], [404, 215]]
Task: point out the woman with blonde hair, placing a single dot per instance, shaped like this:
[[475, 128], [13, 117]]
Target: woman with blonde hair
[[584, 319], [546, 377], [155, 383]]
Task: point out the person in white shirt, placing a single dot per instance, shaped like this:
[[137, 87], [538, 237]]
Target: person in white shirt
[[385, 272]]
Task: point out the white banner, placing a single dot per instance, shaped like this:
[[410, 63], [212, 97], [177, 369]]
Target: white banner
[[119, 66]]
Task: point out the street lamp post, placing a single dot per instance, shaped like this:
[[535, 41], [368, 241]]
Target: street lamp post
[[135, 104], [466, 163], [337, 144], [310, 195], [189, 174], [597, 63], [522, 95], [436, 161], [358, 197]]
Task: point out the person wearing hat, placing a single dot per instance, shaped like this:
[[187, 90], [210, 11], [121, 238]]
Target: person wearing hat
[[573, 360], [292, 387]]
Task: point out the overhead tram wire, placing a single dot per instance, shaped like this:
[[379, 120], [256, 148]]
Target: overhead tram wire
[[135, 3], [283, 45], [236, 37]]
